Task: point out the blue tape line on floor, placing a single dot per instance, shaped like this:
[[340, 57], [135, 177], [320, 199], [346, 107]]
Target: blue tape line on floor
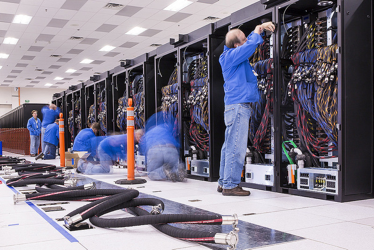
[[47, 218]]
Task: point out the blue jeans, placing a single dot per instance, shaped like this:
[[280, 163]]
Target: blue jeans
[[49, 151], [34, 144], [235, 145], [89, 167], [157, 156], [42, 132]]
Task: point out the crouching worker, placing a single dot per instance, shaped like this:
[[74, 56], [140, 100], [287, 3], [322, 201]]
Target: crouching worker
[[50, 138], [82, 141], [162, 150], [110, 150]]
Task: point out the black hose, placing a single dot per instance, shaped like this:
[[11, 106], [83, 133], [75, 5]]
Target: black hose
[[49, 190], [21, 182], [183, 234]]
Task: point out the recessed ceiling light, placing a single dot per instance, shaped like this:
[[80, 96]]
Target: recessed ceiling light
[[87, 61], [136, 31], [107, 48], [178, 5], [3, 55], [58, 78], [10, 40], [48, 84], [70, 71], [22, 19], [1, 67]]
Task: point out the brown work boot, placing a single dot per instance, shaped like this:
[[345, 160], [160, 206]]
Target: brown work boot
[[219, 189], [236, 191]]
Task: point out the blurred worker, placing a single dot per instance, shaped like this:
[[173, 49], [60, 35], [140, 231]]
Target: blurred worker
[[82, 141], [51, 138], [110, 150], [240, 90], [161, 150], [34, 125], [50, 114]]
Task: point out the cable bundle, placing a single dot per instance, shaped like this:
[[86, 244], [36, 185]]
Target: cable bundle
[[102, 111], [121, 112], [139, 102], [91, 115], [169, 100], [71, 125], [78, 116], [263, 50]]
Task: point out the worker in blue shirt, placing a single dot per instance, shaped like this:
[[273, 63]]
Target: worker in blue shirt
[[51, 138], [50, 114], [240, 90], [161, 150], [110, 150], [82, 141], [34, 125]]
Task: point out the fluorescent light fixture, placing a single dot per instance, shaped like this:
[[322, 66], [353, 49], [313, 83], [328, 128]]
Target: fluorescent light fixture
[[10, 40], [87, 61], [1, 67], [107, 48], [70, 71], [22, 19], [58, 78], [178, 5], [4, 56], [136, 31], [48, 84]]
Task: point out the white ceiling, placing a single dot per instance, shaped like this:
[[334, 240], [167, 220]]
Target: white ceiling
[[55, 21]]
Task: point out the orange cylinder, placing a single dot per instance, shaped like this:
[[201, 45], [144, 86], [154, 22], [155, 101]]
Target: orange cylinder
[[130, 142], [62, 140]]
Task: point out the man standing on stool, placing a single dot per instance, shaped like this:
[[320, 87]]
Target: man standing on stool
[[240, 90], [51, 138], [34, 126], [50, 114]]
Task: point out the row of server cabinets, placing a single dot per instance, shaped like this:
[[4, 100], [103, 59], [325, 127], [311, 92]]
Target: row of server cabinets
[[311, 133]]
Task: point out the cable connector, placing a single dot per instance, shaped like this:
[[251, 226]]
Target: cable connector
[[70, 221], [90, 186], [9, 176], [157, 209], [230, 220], [231, 239], [70, 183], [6, 167], [19, 197], [7, 171]]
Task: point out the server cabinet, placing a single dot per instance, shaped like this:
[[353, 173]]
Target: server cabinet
[[77, 116], [103, 90], [119, 98], [69, 118], [201, 103], [90, 103]]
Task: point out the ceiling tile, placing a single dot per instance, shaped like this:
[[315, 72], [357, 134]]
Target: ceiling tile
[[54, 66], [28, 58], [53, 87], [86, 68], [35, 48], [64, 60], [46, 73], [75, 51], [10, 76], [57, 23], [11, 1], [89, 41], [4, 85], [16, 71], [68, 79], [97, 62], [45, 37], [106, 28], [73, 4], [177, 17], [128, 45], [35, 82], [60, 82], [40, 77], [21, 65], [112, 54], [6, 18], [208, 1], [150, 32], [2, 32], [8, 81], [76, 74], [29, 86], [128, 11]]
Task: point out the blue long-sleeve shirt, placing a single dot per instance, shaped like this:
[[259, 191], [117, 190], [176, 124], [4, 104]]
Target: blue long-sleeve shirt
[[82, 141], [52, 134], [115, 146], [49, 115], [240, 82], [34, 126]]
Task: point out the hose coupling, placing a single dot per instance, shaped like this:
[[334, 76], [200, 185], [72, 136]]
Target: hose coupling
[[231, 239], [6, 168], [90, 186], [156, 209], [7, 171], [19, 197], [70, 221], [6, 177], [70, 183], [230, 220]]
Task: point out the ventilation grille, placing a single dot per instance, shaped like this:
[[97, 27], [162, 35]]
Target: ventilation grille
[[155, 45], [76, 38], [113, 6], [28, 79], [55, 55], [211, 18], [38, 70]]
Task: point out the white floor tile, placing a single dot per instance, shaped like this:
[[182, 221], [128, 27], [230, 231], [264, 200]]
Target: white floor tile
[[364, 203], [293, 202], [47, 245], [347, 235], [289, 220], [342, 211], [366, 221], [300, 245]]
